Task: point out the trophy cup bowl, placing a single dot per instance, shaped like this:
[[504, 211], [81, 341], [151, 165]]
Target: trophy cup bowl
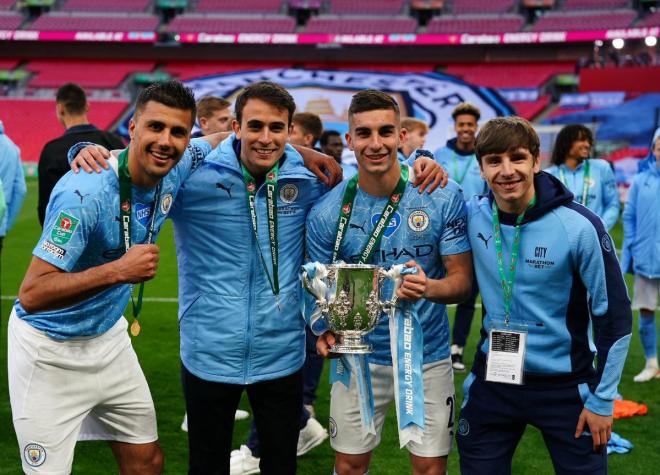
[[351, 304]]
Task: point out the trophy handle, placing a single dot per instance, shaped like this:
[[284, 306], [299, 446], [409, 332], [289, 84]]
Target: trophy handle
[[396, 274]]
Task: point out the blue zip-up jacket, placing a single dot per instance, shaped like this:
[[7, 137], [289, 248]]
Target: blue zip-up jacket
[[602, 196], [232, 330], [12, 180], [567, 281], [463, 168], [641, 225]]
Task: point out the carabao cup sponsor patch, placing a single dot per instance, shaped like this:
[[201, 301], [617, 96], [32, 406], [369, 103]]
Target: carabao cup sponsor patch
[[64, 227], [51, 248], [34, 455]]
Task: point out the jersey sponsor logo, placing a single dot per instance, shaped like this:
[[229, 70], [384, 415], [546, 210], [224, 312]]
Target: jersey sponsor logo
[[358, 226], [80, 195], [332, 428], [142, 213], [166, 203], [289, 193], [51, 248], [458, 227], [484, 239], [226, 188], [383, 255], [540, 260], [64, 227], [418, 221], [393, 225], [606, 243], [463, 427], [34, 455]]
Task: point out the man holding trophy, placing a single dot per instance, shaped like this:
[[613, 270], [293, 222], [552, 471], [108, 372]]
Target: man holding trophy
[[420, 241]]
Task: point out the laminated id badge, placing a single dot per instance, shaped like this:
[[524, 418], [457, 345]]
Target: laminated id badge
[[506, 355]]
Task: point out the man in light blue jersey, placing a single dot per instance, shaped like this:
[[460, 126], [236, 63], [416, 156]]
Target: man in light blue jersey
[[72, 370], [591, 180], [12, 182], [426, 232], [641, 255], [535, 360], [458, 158]]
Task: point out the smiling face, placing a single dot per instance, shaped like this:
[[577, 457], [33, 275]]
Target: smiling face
[[159, 136], [465, 126], [511, 177], [263, 132]]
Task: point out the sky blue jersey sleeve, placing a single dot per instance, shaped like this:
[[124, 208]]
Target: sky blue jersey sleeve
[[629, 227], [454, 237], [611, 203], [595, 256]]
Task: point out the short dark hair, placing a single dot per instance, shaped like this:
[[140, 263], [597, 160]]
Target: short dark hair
[[565, 139], [506, 134], [325, 136], [207, 105], [73, 98], [310, 123], [372, 99], [269, 92], [169, 93], [465, 108]]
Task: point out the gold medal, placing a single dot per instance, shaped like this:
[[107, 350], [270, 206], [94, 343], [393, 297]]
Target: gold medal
[[135, 328]]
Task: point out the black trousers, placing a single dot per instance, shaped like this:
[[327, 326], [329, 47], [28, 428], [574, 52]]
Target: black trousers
[[276, 405]]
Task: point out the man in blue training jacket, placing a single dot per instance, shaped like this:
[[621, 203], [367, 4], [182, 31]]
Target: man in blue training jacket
[[535, 360]]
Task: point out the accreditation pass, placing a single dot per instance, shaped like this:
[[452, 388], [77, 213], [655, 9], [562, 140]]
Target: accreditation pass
[[506, 356]]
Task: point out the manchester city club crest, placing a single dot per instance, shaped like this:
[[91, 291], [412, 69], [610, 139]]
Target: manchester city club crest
[[34, 454], [166, 203], [289, 193], [332, 428], [418, 220]]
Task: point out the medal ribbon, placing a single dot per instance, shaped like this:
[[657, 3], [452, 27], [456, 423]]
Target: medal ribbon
[[125, 206], [507, 279], [456, 177], [271, 194], [585, 182]]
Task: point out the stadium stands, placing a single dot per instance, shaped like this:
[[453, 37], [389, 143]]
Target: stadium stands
[[427, 4], [482, 6], [22, 116], [232, 6], [106, 74], [585, 20], [305, 4], [652, 19], [235, 23], [509, 75], [106, 6], [8, 63], [376, 67], [366, 7], [340, 24], [10, 20], [594, 4], [6, 4], [529, 110], [69, 21], [185, 70], [448, 24]]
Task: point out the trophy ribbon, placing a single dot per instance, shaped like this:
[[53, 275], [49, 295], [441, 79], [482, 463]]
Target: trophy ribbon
[[407, 347], [316, 273]]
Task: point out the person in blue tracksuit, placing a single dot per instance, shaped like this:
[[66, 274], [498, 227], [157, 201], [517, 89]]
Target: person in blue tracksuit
[[427, 231], [591, 180], [12, 182], [641, 255], [535, 360], [458, 158]]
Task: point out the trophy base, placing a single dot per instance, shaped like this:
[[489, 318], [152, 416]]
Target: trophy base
[[351, 349]]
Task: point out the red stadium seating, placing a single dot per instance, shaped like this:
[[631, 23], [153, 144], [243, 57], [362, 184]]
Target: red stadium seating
[[91, 73], [449, 24], [376, 67], [22, 117], [232, 6], [67, 21], [8, 63], [341, 25], [482, 6], [651, 20], [529, 110], [10, 20], [509, 75], [427, 4], [222, 23], [594, 4], [106, 5], [185, 70], [584, 20], [6, 4], [306, 4], [366, 7]]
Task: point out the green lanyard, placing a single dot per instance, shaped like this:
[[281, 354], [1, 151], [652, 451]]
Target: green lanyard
[[271, 194], [585, 182], [381, 225], [125, 198], [507, 280], [459, 178]]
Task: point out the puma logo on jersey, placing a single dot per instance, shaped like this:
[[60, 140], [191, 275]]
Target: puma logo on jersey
[[355, 226], [481, 236], [77, 192], [223, 187]]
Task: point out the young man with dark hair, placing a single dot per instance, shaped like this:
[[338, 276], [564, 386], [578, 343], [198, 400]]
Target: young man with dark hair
[[332, 144], [71, 109], [591, 180], [535, 362], [213, 115], [427, 232], [307, 129], [72, 369]]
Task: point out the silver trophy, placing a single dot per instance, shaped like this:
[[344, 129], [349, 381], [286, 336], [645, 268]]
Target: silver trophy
[[349, 297]]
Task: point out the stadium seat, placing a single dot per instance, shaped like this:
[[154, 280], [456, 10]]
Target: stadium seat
[[360, 24], [232, 6], [427, 4], [652, 19], [529, 110], [482, 6], [8, 64], [6, 4], [456, 24], [185, 70], [106, 6], [594, 4], [107, 74], [366, 7], [584, 20], [305, 4], [509, 75], [10, 20], [235, 23], [69, 21]]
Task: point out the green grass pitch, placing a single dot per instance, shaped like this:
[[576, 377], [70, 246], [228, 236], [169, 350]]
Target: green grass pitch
[[157, 348]]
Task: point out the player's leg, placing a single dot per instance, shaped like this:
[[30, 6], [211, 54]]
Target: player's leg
[[430, 456], [352, 445], [138, 459], [646, 300], [276, 405], [489, 427]]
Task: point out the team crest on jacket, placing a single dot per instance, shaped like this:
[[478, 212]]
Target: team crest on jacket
[[289, 193], [34, 455], [418, 220], [166, 203]]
